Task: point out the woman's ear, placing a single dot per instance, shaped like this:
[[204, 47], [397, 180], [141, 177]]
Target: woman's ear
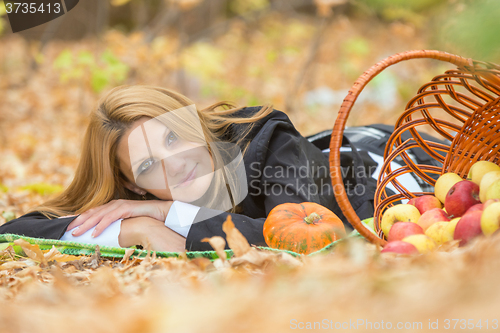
[[134, 188]]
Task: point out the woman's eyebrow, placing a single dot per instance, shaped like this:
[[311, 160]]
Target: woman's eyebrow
[[139, 160]]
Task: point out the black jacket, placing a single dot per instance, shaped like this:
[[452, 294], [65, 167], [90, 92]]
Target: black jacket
[[275, 146]]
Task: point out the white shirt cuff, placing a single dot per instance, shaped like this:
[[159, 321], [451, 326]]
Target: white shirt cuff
[[180, 217], [109, 237]]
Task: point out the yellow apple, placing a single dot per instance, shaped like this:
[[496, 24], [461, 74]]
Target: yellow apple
[[486, 182], [481, 168], [444, 183], [490, 220], [449, 230], [423, 243], [436, 230], [493, 191], [398, 213]]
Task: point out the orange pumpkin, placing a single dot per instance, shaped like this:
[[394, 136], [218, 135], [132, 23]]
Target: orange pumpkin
[[303, 228]]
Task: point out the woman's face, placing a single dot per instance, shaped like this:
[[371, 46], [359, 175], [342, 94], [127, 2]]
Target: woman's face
[[157, 160]]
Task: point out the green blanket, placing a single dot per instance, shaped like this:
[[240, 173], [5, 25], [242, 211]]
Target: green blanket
[[79, 249]]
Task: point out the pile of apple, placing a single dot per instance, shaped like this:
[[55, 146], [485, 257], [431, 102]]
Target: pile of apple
[[471, 208]]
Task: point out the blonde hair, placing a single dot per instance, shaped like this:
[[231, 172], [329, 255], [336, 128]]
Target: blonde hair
[[98, 178]]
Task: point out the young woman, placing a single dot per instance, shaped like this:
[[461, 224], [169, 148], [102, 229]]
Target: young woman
[[156, 170]]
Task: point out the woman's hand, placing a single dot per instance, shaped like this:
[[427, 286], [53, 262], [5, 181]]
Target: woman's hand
[[146, 230], [103, 216]]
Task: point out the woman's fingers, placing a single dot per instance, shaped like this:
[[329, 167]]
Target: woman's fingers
[[90, 223], [83, 217], [106, 222], [73, 224], [101, 217], [104, 217], [91, 217]]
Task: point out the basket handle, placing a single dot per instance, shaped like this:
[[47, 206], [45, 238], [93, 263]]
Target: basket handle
[[345, 109]]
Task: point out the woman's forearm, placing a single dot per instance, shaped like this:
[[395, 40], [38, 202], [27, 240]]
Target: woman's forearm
[[145, 230]]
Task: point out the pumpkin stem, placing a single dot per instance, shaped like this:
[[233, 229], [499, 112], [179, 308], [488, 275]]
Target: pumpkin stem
[[312, 218]]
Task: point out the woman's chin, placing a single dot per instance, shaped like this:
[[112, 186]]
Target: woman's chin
[[188, 194], [186, 199]]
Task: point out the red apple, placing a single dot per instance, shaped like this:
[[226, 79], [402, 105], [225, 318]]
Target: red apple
[[432, 216], [400, 247], [461, 197], [468, 227], [400, 230], [425, 203], [474, 208]]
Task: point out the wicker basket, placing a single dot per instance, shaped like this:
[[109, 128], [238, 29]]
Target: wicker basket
[[469, 94]]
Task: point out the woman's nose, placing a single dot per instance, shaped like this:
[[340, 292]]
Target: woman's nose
[[174, 165]]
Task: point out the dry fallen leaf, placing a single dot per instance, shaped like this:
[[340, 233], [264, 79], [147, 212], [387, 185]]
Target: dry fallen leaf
[[254, 257], [218, 244], [9, 265], [32, 251], [54, 254], [235, 240], [126, 256]]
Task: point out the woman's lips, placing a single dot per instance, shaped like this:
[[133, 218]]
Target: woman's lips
[[189, 178]]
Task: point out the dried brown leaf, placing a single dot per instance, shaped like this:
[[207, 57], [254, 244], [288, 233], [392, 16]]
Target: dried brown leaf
[[54, 254], [8, 253], [183, 255], [126, 256], [14, 265], [202, 263], [260, 259], [218, 244], [254, 257], [147, 259], [29, 271], [235, 240], [32, 251], [95, 259], [288, 260]]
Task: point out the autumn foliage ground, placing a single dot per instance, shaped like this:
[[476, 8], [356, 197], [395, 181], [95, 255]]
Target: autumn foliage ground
[[254, 291], [45, 101]]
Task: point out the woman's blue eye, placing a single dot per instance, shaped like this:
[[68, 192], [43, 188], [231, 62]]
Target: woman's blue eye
[[171, 138], [146, 166]]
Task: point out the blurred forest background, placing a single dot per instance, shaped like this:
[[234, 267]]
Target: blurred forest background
[[300, 55]]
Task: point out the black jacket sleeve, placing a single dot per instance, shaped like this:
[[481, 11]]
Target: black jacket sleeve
[[282, 167], [37, 225], [203, 227]]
